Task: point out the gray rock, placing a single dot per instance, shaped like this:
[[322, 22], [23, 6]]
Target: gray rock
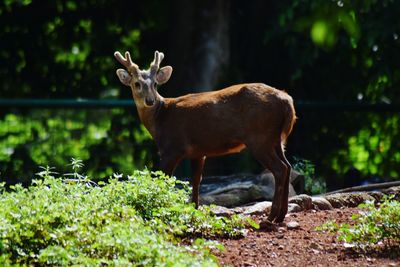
[[348, 199], [222, 211], [236, 190], [393, 191], [230, 199], [258, 208], [377, 195], [320, 203], [292, 225], [304, 201], [293, 207]]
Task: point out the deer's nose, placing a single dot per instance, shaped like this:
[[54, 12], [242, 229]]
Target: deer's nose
[[149, 101]]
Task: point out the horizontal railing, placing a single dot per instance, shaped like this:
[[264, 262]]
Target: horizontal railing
[[66, 103], [128, 103]]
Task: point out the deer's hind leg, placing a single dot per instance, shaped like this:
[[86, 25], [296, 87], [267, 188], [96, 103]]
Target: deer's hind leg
[[271, 158], [281, 154]]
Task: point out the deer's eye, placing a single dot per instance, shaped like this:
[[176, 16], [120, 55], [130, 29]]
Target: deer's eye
[[137, 85]]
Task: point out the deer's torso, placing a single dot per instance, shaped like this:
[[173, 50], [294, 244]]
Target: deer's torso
[[218, 122]]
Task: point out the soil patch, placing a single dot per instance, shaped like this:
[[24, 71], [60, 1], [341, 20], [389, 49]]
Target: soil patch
[[302, 245]]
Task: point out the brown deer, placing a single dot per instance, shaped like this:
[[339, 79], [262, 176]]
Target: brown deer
[[196, 126]]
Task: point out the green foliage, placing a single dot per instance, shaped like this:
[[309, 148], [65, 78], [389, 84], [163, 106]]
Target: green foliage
[[313, 185], [372, 226], [139, 221], [68, 51], [324, 51], [45, 136], [371, 149], [340, 52]]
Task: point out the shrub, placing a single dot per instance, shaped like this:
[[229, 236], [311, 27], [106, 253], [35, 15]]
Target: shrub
[[374, 225], [139, 221]]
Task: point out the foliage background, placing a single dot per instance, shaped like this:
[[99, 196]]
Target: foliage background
[[319, 51]]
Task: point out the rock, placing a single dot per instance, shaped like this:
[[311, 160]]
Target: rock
[[240, 189], [304, 201], [229, 199], [222, 211], [297, 180], [377, 195], [281, 230], [320, 203], [258, 208], [280, 235], [348, 199], [316, 246], [292, 225], [293, 207], [238, 210], [335, 200], [393, 191], [268, 226], [267, 182]]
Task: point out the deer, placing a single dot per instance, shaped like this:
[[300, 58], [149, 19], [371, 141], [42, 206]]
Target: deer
[[216, 123]]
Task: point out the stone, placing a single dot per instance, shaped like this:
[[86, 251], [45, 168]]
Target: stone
[[377, 195], [268, 226], [292, 225], [393, 191], [258, 208], [241, 189], [320, 203], [229, 199], [222, 211], [304, 201], [352, 199], [293, 207]]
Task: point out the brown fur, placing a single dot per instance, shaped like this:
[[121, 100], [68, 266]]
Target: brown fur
[[215, 123]]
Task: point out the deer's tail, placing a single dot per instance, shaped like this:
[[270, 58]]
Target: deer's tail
[[288, 121]]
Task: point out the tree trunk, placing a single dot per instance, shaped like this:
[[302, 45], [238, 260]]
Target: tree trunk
[[199, 45]]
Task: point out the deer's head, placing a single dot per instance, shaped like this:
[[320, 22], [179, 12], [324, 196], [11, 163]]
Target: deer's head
[[143, 82]]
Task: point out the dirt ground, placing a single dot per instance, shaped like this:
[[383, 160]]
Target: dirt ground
[[303, 246]]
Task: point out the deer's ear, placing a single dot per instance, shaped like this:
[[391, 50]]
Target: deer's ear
[[124, 76], [164, 74]]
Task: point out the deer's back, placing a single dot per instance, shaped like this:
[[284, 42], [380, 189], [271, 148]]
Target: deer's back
[[237, 103]]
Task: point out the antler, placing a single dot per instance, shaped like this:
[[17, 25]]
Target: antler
[[127, 62], [155, 65]]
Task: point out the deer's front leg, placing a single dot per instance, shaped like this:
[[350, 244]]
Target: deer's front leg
[[197, 171], [169, 162]]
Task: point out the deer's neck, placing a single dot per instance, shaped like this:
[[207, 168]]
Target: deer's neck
[[148, 115]]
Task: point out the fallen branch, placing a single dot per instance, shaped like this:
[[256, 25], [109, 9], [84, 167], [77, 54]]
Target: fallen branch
[[368, 187]]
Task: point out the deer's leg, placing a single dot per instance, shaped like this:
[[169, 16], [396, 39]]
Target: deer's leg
[[168, 162], [197, 171], [283, 210], [269, 158]]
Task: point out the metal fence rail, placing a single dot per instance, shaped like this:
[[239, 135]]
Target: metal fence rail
[[66, 103], [127, 103]]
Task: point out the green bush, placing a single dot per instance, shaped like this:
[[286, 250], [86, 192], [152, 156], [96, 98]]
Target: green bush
[[138, 221], [374, 225]]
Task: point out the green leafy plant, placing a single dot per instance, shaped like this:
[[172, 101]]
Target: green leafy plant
[[374, 225], [139, 221]]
